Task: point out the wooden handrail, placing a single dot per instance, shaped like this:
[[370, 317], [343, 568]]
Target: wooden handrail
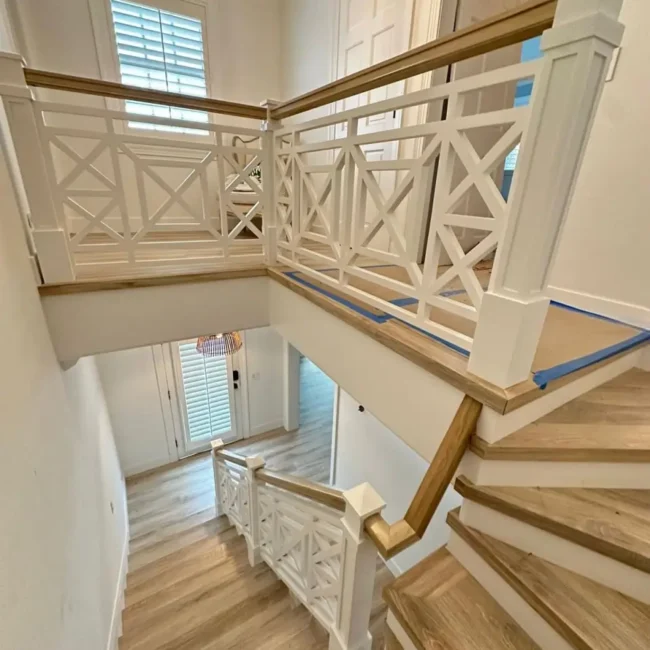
[[390, 539], [232, 457], [322, 494], [524, 22], [56, 81]]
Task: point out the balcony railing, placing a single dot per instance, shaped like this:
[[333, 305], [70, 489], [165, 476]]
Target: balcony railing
[[428, 223]]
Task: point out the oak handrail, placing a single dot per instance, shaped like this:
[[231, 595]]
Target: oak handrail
[[303, 487], [56, 81], [232, 457], [514, 26], [390, 539], [507, 28]]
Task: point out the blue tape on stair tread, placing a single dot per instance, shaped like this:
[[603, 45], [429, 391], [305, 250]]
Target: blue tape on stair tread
[[542, 377]]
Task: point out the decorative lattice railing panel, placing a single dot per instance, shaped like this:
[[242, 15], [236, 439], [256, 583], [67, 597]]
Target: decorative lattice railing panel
[[303, 542], [141, 191], [234, 494], [353, 204]]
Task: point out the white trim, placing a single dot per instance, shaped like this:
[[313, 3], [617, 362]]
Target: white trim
[[493, 426], [335, 434], [517, 473], [242, 402], [627, 312], [399, 632], [165, 395], [115, 631], [527, 618], [264, 428], [557, 550], [393, 567]]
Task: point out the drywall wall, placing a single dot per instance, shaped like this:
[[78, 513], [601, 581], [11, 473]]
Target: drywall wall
[[602, 261], [367, 451], [133, 396], [264, 359], [146, 423], [63, 505]]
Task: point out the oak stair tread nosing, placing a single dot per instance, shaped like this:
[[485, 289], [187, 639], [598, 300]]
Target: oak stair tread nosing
[[614, 523], [440, 605], [610, 423], [587, 614]]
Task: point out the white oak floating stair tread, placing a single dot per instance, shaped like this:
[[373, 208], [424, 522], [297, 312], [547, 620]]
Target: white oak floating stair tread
[[615, 523], [610, 423], [442, 607], [587, 614]]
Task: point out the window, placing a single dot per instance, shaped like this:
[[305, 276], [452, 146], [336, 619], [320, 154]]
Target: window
[[206, 388], [160, 50]]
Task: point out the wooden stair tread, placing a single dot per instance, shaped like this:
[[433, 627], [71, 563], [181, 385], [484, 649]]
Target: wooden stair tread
[[587, 614], [610, 423], [441, 606], [615, 523]]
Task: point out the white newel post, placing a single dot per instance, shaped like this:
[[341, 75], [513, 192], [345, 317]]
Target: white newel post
[[268, 183], [253, 463], [216, 446], [350, 631], [50, 237], [577, 51]]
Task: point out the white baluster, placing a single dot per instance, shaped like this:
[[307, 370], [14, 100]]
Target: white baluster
[[50, 237], [577, 51], [359, 568], [270, 218], [216, 446], [253, 463]]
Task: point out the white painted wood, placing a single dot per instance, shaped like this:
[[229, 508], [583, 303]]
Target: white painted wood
[[622, 476], [291, 386], [350, 631], [399, 632], [215, 446], [577, 51], [526, 617], [369, 371], [493, 426], [253, 463], [595, 566], [103, 321]]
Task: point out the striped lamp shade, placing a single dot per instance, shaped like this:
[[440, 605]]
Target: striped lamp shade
[[218, 345]]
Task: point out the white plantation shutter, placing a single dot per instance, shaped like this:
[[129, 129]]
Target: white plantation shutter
[[163, 51], [207, 398]]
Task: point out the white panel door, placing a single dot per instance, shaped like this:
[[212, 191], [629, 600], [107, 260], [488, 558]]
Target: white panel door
[[206, 393], [371, 31]]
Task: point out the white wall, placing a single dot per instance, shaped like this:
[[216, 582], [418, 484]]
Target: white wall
[[135, 385], [604, 246], [367, 451], [131, 387], [263, 350], [63, 505]]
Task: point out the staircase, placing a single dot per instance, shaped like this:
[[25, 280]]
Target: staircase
[[560, 567]]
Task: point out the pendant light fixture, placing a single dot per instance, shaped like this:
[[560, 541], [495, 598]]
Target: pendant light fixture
[[219, 345]]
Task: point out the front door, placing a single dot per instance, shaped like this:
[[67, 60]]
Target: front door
[[206, 395]]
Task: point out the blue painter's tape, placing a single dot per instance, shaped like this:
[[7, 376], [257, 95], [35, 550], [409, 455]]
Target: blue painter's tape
[[376, 318], [542, 377], [403, 302], [451, 346]]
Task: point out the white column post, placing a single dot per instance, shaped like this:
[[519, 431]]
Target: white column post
[[290, 386], [350, 631], [49, 233], [270, 216], [253, 463], [577, 51], [216, 446]]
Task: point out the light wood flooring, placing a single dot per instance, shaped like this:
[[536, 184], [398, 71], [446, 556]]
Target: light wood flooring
[[190, 586]]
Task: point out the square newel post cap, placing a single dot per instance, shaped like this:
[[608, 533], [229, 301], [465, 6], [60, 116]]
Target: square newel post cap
[[254, 462], [269, 124], [12, 77], [362, 502], [216, 445]]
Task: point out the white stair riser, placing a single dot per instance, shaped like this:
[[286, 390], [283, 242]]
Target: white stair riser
[[538, 473], [524, 615], [552, 548]]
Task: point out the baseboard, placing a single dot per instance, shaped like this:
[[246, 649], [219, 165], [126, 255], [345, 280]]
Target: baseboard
[[265, 428], [115, 631], [393, 567], [624, 311]]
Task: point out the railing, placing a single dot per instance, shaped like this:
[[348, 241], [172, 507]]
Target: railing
[[421, 222], [322, 542]]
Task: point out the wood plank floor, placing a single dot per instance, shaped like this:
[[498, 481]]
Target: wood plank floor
[[190, 586]]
